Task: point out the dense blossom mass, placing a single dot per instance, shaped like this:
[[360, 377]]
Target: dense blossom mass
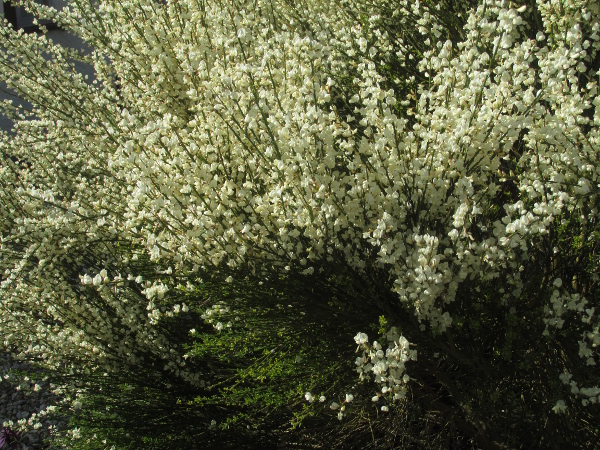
[[272, 139]]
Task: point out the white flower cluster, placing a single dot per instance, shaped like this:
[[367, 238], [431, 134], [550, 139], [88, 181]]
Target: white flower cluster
[[225, 133], [310, 398], [387, 367], [334, 406], [30, 406], [572, 307], [216, 312]]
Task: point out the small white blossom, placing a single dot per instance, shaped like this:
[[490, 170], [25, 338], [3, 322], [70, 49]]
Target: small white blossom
[[361, 338], [560, 407]]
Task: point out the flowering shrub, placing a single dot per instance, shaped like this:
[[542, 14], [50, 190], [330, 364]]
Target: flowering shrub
[[30, 403], [387, 367], [434, 161]]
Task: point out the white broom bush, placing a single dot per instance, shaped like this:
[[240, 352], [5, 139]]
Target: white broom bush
[[446, 155]]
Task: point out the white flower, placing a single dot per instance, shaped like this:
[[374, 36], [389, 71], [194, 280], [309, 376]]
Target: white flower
[[349, 398], [309, 397], [560, 407], [384, 408], [361, 338], [322, 399], [334, 406], [97, 280]]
